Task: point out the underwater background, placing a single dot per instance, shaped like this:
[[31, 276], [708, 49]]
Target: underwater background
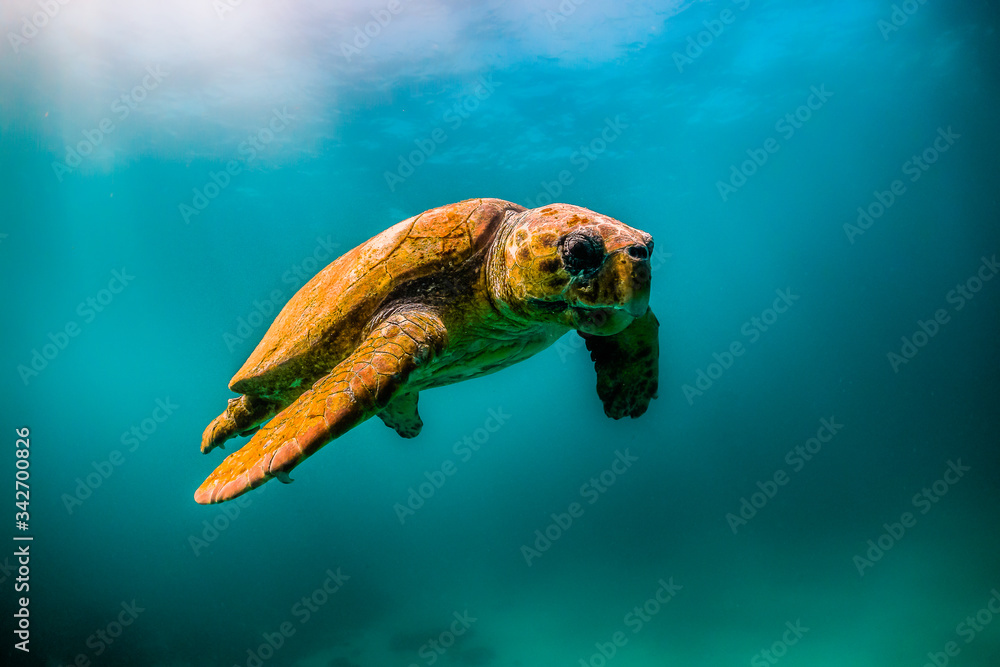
[[816, 485]]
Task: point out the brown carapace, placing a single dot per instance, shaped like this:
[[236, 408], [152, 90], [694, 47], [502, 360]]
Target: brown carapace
[[453, 293]]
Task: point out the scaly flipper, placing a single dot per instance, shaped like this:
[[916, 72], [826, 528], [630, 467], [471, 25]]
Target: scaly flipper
[[242, 416], [401, 415], [627, 366], [357, 388]]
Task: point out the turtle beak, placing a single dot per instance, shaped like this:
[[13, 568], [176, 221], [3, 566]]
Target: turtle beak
[[634, 276], [623, 281]]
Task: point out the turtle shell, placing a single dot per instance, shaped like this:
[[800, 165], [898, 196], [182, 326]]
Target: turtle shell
[[330, 315]]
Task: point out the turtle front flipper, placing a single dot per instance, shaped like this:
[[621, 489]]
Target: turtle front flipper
[[401, 415], [627, 365], [357, 388]]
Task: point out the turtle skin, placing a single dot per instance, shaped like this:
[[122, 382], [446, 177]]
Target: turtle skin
[[456, 292]]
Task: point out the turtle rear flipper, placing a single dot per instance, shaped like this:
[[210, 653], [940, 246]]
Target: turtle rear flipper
[[627, 365], [242, 416], [357, 388]]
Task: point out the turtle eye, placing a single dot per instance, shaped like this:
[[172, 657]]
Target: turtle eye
[[582, 252]]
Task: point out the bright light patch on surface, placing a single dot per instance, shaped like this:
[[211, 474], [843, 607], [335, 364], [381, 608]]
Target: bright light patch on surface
[[228, 65]]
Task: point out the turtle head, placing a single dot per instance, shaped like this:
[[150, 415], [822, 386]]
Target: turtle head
[[566, 264]]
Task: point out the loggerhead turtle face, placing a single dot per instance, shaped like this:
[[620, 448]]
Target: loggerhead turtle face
[[570, 265]]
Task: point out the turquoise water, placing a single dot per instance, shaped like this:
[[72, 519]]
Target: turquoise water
[[816, 484]]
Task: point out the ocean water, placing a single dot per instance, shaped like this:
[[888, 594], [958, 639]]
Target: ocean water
[[815, 485]]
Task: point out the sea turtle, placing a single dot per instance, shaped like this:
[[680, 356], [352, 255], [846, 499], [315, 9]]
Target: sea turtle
[[453, 293]]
